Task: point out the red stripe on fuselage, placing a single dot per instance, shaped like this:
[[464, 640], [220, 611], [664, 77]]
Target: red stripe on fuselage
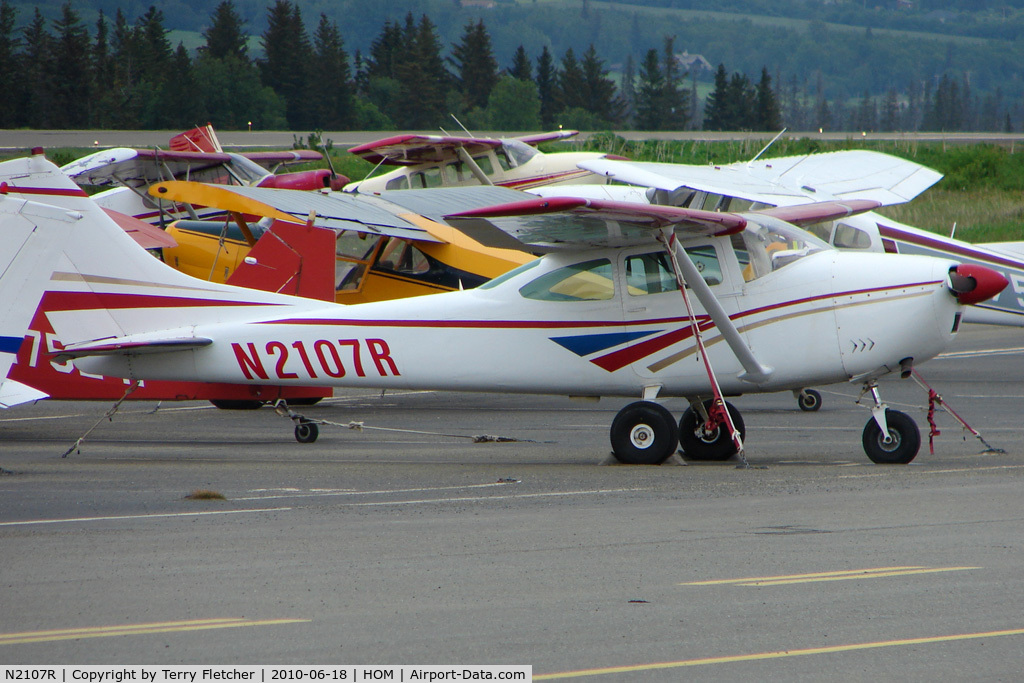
[[77, 301], [6, 188]]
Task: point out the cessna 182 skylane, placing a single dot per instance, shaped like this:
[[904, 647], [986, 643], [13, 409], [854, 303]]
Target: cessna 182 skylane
[[602, 314]]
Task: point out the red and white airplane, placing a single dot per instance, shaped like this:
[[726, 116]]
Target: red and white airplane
[[291, 258], [604, 313], [426, 161], [193, 155]]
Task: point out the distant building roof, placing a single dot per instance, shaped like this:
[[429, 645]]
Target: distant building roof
[[485, 4], [693, 62]]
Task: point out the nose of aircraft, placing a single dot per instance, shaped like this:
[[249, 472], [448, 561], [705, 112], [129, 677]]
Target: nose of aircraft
[[972, 284]]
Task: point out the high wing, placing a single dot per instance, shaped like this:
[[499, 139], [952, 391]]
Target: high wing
[[540, 223], [785, 181], [411, 149], [337, 211], [140, 167]]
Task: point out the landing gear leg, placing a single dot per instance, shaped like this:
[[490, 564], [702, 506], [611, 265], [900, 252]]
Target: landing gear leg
[[890, 437], [703, 431]]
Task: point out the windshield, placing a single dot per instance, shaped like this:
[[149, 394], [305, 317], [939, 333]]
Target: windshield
[[246, 170], [518, 152], [772, 244]]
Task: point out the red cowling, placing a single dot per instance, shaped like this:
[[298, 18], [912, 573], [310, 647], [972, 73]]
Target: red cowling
[[973, 284], [305, 180]]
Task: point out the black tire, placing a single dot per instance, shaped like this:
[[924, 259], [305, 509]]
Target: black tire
[[309, 401], [906, 439], [643, 433], [306, 432], [716, 446], [232, 404], [809, 401]]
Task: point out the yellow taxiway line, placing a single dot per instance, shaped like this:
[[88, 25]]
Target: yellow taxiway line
[[137, 629], [845, 575], [779, 654]]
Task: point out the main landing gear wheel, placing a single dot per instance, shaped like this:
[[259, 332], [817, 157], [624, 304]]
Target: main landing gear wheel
[[809, 401], [306, 432], [903, 444], [715, 445], [643, 433]]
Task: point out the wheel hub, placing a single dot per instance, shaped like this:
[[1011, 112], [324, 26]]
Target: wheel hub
[[641, 436]]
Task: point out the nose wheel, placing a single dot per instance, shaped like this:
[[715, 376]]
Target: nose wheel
[[897, 445]]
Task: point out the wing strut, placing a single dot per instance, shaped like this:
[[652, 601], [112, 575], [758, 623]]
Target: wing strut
[[754, 371], [478, 172], [718, 414]]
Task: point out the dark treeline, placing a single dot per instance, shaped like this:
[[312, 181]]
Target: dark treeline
[[121, 74]]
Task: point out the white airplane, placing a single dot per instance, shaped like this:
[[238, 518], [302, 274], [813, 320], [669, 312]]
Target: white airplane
[[604, 313], [788, 181], [426, 161]]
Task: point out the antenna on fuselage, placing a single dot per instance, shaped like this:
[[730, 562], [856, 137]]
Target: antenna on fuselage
[[460, 124], [765, 148]]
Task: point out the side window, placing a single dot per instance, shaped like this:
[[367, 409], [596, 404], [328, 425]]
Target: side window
[[399, 183], [587, 281], [484, 162], [649, 274], [503, 160], [849, 237], [454, 173], [401, 256], [428, 178], [706, 260]]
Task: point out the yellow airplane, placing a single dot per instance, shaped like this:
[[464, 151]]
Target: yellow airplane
[[420, 255]]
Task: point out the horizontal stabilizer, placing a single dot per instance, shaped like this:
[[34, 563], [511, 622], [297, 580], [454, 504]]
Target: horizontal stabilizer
[[129, 348], [14, 393]]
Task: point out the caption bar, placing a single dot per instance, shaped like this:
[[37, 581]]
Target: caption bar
[[263, 674]]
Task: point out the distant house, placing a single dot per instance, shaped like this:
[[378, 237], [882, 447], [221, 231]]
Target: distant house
[[693, 63], [482, 4]]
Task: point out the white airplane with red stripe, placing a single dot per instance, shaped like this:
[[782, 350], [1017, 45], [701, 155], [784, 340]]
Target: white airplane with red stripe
[[765, 307]]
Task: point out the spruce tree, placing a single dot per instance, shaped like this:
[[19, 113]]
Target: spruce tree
[[476, 70], [73, 89], [650, 114], [600, 91], [287, 58], [521, 67], [35, 104], [422, 79], [225, 36], [766, 117], [546, 76], [332, 83], [9, 71], [675, 105], [570, 85], [716, 105]]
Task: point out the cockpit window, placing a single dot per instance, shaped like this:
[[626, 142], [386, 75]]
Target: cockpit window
[[587, 281], [764, 248], [246, 170], [518, 152], [850, 237]]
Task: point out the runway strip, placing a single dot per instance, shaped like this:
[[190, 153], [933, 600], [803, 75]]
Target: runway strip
[[137, 629], [153, 516], [779, 654]]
